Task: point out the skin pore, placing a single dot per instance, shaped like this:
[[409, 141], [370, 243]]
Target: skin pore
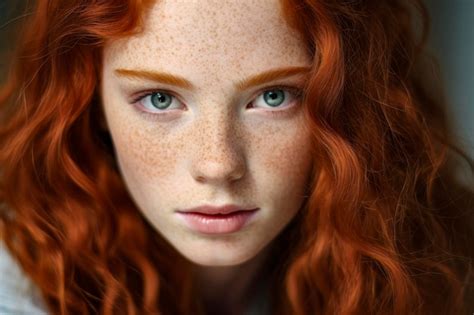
[[218, 142]]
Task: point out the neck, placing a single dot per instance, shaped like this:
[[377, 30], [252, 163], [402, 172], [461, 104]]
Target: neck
[[229, 289]]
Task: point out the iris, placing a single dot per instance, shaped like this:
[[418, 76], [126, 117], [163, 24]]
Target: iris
[[274, 97], [161, 100]]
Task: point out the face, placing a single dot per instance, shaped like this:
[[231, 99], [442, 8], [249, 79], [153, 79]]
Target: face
[[194, 122]]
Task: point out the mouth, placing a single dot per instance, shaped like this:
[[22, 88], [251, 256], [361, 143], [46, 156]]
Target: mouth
[[216, 222], [216, 210]]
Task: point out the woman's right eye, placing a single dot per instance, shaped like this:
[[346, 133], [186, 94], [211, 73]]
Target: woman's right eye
[[159, 101]]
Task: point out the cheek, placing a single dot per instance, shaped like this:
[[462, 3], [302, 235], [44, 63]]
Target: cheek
[[147, 153], [143, 156], [284, 154], [150, 166]]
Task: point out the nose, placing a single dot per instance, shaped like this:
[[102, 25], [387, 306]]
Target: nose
[[217, 158]]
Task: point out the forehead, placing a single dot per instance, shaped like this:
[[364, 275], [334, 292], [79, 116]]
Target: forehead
[[197, 37]]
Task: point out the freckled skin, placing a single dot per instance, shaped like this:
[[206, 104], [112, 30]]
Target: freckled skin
[[216, 151]]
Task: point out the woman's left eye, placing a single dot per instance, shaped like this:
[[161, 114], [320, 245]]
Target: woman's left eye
[[159, 101], [276, 97]]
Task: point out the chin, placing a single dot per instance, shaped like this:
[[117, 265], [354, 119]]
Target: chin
[[219, 257]]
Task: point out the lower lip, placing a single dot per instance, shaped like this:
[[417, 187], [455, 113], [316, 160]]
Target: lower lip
[[217, 224]]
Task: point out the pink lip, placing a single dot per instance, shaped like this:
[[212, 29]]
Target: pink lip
[[216, 220], [206, 209]]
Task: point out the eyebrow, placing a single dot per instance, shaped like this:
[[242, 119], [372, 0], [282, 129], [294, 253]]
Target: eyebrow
[[161, 77], [241, 85], [271, 75]]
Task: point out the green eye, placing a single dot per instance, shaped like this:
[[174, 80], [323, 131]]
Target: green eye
[[277, 97], [161, 100], [274, 97]]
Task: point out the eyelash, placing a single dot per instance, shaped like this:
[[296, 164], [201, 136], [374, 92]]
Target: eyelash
[[293, 90]]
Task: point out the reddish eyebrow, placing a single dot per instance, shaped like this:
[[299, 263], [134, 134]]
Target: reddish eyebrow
[[269, 76], [171, 79], [161, 77]]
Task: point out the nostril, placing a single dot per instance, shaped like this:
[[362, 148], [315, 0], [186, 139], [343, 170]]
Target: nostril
[[200, 179]]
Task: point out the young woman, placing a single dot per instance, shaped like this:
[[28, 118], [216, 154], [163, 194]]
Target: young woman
[[229, 157]]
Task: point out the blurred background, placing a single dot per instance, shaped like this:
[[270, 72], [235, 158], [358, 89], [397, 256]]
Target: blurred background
[[451, 41]]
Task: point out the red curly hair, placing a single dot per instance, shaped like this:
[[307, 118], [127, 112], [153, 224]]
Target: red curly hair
[[385, 229]]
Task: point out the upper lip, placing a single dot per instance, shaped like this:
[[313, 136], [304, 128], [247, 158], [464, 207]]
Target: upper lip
[[208, 209]]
